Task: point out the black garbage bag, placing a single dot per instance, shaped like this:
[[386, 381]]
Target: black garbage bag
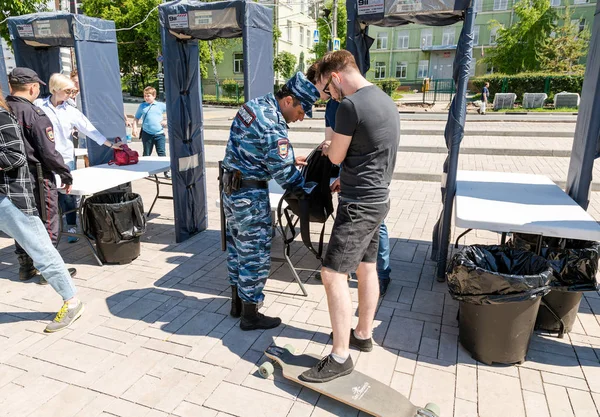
[[575, 262], [497, 274], [114, 217]]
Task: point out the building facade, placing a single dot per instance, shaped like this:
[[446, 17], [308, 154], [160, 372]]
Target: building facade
[[412, 52], [295, 20]]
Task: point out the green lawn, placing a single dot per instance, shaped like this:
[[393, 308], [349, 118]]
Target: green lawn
[[544, 110]]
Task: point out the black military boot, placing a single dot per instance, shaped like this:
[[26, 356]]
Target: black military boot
[[252, 319], [26, 270], [236, 303]]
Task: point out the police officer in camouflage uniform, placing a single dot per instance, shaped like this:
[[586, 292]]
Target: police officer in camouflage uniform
[[42, 158], [258, 150]]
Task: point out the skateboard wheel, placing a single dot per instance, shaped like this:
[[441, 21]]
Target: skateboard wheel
[[290, 348], [434, 408], [266, 369]]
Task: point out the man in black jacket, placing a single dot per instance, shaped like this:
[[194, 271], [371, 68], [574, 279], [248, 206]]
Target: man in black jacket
[[42, 158]]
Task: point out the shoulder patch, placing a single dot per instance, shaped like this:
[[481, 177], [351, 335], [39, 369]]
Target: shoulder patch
[[246, 115], [283, 148], [50, 134]]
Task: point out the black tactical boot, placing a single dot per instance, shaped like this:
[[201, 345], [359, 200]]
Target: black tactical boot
[[252, 319], [26, 270], [236, 303]]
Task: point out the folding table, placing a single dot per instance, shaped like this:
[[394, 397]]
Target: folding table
[[99, 178]]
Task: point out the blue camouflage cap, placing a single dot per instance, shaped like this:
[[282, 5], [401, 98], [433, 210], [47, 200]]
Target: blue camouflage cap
[[303, 90]]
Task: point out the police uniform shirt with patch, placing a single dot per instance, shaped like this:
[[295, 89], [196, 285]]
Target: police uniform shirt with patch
[[258, 144], [39, 138]]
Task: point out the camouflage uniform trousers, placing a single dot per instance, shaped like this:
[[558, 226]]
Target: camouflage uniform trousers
[[249, 235]]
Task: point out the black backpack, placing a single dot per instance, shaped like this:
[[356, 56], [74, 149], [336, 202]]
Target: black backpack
[[315, 207]]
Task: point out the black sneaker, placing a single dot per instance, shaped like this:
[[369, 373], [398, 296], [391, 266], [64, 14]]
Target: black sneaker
[[383, 286], [364, 345], [327, 370]]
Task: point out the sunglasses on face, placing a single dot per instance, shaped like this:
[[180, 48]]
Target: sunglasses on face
[[326, 88], [71, 91]]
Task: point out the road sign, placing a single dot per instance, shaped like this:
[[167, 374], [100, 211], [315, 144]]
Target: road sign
[[316, 36], [336, 44], [160, 58]]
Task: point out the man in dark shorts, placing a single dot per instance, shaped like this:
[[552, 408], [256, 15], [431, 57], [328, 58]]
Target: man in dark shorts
[[365, 140], [383, 254]]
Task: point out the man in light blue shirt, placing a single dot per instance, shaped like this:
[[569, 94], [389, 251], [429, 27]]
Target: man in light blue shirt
[[152, 124]]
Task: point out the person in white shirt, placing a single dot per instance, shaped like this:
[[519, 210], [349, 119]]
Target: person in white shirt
[[64, 118]]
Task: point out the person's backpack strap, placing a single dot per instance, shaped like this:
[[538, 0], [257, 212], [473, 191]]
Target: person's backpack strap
[[305, 230], [289, 223]]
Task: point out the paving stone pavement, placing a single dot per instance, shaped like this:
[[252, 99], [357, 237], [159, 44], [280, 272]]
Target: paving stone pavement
[[156, 339]]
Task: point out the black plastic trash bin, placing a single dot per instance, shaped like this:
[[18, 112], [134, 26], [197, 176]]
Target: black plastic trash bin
[[499, 290], [116, 221], [575, 264], [575, 267]]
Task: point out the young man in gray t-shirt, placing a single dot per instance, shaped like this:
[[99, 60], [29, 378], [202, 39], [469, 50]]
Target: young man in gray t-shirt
[[365, 141]]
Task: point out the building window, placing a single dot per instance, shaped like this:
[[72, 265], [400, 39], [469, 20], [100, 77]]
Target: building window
[[289, 30], [401, 68], [555, 3], [472, 67], [302, 6], [403, 39], [478, 5], [581, 25], [580, 1], [500, 4], [493, 35], [238, 63], [382, 40], [423, 69], [301, 36], [379, 70], [308, 38], [476, 35], [426, 37], [448, 36]]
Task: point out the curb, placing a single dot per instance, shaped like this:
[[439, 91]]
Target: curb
[[441, 149], [432, 132], [413, 176]]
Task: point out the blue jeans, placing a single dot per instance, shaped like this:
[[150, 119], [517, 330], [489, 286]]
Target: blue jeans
[[149, 141], [383, 253], [31, 234], [69, 202]]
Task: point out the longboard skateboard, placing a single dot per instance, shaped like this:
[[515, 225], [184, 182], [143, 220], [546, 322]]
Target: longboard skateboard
[[356, 390]]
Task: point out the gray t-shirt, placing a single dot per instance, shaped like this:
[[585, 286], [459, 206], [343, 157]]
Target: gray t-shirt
[[371, 117]]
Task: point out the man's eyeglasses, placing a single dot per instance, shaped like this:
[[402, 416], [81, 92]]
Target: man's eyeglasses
[[326, 88]]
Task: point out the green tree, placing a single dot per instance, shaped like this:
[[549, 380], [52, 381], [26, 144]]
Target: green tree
[[17, 8], [301, 64], [138, 47], [563, 51], [518, 46], [324, 27], [284, 63]]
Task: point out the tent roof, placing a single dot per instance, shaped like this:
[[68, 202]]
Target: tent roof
[[61, 28], [208, 21]]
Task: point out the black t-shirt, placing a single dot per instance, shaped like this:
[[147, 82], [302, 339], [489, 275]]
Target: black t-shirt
[[371, 117]]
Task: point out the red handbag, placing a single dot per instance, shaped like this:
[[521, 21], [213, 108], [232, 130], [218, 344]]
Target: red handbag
[[124, 156]]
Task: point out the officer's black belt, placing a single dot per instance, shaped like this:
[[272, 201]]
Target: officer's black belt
[[254, 184]]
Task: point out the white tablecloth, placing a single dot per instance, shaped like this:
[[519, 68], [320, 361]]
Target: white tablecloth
[[506, 202], [88, 181]]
